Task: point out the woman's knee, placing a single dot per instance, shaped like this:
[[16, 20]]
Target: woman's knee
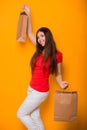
[[19, 114]]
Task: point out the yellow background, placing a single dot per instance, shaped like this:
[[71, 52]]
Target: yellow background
[[67, 21]]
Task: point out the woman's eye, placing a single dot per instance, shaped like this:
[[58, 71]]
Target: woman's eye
[[42, 35], [37, 37]]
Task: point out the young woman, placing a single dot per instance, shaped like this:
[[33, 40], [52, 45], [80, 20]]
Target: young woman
[[45, 61]]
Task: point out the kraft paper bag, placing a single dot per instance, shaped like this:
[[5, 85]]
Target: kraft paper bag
[[22, 27], [65, 106]]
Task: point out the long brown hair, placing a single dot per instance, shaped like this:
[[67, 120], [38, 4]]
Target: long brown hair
[[49, 50]]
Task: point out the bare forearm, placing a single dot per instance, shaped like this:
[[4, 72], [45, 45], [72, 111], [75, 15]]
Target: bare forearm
[[63, 84], [59, 78], [30, 30]]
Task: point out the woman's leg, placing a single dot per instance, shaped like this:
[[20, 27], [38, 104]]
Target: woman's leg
[[35, 115], [29, 109]]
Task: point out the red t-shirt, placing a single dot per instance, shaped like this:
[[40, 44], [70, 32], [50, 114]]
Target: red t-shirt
[[40, 78]]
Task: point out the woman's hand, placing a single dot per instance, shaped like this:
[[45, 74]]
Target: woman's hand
[[26, 9], [64, 84]]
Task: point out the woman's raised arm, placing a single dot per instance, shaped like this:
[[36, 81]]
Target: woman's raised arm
[[30, 30]]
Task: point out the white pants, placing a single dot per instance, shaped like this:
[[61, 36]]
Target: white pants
[[29, 112]]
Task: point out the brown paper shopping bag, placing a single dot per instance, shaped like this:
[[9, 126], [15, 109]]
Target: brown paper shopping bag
[[22, 27], [65, 106]]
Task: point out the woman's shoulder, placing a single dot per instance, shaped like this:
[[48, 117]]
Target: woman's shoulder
[[59, 56], [59, 53]]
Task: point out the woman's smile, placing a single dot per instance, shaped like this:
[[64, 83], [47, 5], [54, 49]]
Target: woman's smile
[[41, 38]]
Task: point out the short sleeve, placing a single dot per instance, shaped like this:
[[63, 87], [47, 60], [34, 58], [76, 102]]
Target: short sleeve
[[59, 57]]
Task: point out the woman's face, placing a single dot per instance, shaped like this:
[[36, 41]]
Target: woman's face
[[41, 38]]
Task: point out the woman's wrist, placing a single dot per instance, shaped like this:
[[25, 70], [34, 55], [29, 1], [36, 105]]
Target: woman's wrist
[[26, 9], [64, 84]]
